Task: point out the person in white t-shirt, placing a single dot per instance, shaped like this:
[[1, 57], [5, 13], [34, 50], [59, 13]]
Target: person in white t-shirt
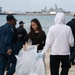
[[59, 39]]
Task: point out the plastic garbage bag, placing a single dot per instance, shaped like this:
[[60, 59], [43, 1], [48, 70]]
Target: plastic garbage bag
[[28, 63]]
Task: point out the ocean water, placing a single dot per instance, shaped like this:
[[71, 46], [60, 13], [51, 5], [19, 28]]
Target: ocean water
[[46, 21]]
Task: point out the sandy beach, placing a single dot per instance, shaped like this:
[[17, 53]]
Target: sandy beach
[[71, 71]]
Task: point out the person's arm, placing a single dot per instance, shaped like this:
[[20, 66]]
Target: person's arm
[[42, 43], [8, 40], [70, 38], [48, 43], [26, 39], [25, 32]]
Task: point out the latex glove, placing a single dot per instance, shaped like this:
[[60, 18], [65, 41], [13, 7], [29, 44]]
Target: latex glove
[[40, 55]]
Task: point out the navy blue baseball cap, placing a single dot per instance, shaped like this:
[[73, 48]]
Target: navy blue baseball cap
[[10, 17]]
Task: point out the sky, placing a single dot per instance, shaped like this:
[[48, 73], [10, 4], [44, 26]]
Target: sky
[[36, 5]]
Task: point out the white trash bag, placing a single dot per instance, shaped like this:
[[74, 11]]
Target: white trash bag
[[28, 63]]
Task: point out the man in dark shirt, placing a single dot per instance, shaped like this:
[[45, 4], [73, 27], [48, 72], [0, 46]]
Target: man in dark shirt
[[72, 25], [6, 50], [15, 48], [21, 33]]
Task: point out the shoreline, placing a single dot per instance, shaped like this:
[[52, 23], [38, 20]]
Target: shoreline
[[33, 14]]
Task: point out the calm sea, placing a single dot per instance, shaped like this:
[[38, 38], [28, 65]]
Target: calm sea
[[46, 21]]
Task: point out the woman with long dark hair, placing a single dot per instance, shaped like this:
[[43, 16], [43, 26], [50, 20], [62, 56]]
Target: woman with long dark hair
[[27, 60], [36, 34]]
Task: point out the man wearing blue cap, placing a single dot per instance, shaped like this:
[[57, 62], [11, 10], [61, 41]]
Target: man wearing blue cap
[[6, 41]]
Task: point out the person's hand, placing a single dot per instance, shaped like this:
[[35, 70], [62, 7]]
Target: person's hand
[[24, 48], [37, 45], [9, 51], [40, 55]]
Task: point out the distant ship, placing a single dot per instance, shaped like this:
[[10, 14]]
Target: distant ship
[[54, 10], [51, 11], [45, 11]]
